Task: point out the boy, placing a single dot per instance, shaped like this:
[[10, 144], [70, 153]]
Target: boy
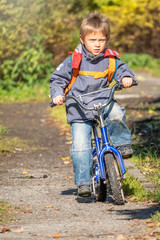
[[94, 33]]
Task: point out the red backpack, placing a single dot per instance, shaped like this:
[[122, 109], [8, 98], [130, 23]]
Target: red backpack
[[76, 58]]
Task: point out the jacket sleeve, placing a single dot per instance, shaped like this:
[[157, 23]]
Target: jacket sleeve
[[123, 71], [60, 78]]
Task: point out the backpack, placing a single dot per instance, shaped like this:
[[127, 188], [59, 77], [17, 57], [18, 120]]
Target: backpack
[[76, 58]]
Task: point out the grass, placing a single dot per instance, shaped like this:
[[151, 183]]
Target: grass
[[58, 113], [24, 93], [9, 144], [4, 209]]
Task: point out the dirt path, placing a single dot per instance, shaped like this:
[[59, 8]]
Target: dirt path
[[45, 199]]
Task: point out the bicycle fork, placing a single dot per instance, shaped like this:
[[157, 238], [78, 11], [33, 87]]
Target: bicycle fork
[[106, 147]]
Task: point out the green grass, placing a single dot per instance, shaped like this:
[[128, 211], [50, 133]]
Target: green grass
[[4, 208], [142, 62], [156, 217], [59, 114], [24, 93], [3, 129]]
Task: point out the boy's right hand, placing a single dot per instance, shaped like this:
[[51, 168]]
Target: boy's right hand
[[58, 100]]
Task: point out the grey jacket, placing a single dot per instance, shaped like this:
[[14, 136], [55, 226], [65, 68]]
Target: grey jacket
[[60, 78]]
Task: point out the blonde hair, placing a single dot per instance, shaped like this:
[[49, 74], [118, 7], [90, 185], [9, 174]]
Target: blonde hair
[[95, 22]]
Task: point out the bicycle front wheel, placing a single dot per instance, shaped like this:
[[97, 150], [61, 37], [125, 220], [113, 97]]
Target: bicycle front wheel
[[114, 178]]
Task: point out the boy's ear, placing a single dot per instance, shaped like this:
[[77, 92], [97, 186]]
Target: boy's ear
[[81, 39]]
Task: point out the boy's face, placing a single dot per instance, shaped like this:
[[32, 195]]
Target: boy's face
[[94, 42]]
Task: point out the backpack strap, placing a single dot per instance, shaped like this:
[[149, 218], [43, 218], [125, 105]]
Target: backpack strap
[[112, 67], [76, 58]]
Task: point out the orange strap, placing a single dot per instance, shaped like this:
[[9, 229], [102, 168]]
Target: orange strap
[[73, 79], [110, 71]]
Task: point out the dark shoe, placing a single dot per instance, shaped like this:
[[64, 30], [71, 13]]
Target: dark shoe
[[84, 190], [125, 150]]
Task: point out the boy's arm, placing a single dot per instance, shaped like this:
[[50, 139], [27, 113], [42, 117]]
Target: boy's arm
[[60, 78], [124, 74]]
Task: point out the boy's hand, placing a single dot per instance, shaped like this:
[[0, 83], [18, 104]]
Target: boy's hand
[[58, 100], [127, 81]]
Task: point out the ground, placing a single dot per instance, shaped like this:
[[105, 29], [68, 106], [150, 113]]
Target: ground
[[38, 182]]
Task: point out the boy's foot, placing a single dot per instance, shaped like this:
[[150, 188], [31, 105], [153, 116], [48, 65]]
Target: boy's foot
[[84, 190], [126, 151]]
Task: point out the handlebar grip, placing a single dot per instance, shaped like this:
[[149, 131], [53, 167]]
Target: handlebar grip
[[51, 104], [135, 83]]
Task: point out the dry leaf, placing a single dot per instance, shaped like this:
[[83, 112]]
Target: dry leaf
[[27, 211], [5, 229], [65, 158], [25, 173], [135, 219], [150, 111], [57, 235], [66, 162], [121, 237]]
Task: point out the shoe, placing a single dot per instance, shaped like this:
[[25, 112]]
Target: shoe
[[84, 190], [125, 150]]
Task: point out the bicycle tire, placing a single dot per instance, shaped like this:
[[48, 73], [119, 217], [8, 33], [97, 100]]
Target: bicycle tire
[[114, 178], [100, 189]]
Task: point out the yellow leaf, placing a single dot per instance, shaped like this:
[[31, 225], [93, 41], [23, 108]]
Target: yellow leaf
[[150, 111], [25, 173], [65, 158]]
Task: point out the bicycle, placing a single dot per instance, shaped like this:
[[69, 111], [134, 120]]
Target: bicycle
[[108, 165]]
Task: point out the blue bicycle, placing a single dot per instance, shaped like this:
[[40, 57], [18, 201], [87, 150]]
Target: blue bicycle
[[108, 166]]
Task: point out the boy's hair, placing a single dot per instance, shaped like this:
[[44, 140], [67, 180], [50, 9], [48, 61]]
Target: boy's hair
[[95, 22]]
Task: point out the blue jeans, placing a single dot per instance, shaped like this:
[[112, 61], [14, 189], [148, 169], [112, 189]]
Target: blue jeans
[[81, 152]]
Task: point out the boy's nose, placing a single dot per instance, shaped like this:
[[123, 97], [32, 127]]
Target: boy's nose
[[97, 43]]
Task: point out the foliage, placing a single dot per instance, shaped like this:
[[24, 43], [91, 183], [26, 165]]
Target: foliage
[[3, 129], [134, 24], [156, 217], [36, 32], [32, 66], [140, 61]]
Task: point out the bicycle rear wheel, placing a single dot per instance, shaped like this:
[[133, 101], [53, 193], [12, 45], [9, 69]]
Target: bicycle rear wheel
[[114, 178]]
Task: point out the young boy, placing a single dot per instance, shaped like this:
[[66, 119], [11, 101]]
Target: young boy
[[94, 57]]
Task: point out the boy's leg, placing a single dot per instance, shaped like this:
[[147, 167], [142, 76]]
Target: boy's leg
[[118, 131], [81, 152]]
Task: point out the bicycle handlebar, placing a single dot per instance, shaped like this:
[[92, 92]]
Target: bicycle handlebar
[[117, 86]]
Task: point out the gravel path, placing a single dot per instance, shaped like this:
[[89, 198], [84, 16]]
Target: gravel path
[[39, 184]]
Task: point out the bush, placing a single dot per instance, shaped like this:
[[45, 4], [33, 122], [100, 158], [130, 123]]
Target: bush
[[136, 61], [33, 66]]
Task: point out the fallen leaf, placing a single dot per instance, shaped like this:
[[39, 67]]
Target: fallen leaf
[[65, 158], [135, 219], [121, 237], [57, 235], [150, 111], [66, 162], [5, 229], [27, 211], [25, 173], [147, 158]]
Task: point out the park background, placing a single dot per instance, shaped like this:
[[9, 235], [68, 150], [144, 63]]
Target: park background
[[36, 36]]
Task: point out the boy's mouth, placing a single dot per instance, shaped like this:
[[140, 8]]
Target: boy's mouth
[[96, 50]]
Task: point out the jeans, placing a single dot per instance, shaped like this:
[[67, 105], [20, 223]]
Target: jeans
[[81, 152]]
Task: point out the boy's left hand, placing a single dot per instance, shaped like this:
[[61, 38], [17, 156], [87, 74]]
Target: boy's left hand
[[127, 81]]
